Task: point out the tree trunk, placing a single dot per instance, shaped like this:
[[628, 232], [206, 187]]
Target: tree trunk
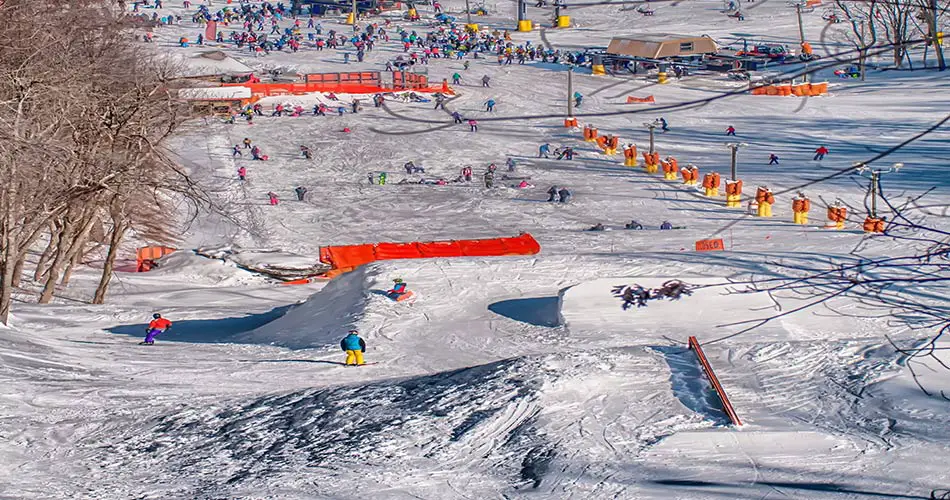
[[119, 227], [52, 275], [75, 249], [46, 255], [6, 284]]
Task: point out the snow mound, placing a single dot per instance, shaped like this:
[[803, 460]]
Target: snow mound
[[274, 263], [195, 269], [322, 319], [591, 307]]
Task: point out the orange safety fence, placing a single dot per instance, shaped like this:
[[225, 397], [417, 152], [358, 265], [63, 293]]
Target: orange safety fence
[[647, 99], [347, 257], [145, 256], [367, 82], [726, 405], [800, 90]]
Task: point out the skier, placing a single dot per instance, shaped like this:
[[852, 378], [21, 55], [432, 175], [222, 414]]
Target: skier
[[398, 290], [490, 105], [382, 178], [272, 196], [456, 79], [543, 150], [305, 151], [457, 117], [439, 101], [242, 174], [256, 153], [485, 80], [663, 125], [731, 130], [510, 163], [489, 179], [552, 194], [354, 347], [577, 99], [564, 195], [467, 174], [156, 327], [411, 168], [465, 65], [820, 153], [473, 125], [567, 152], [773, 159], [301, 192], [247, 143], [236, 151]]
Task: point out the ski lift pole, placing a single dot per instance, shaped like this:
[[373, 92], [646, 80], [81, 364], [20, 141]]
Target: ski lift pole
[[651, 126], [801, 37], [570, 91]]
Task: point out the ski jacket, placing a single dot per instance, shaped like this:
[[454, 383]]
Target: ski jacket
[[353, 342], [159, 324], [398, 288]]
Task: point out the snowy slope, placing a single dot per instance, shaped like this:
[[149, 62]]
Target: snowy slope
[[507, 377]]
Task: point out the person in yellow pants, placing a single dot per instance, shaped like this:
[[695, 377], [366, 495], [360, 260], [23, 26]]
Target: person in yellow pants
[[354, 347]]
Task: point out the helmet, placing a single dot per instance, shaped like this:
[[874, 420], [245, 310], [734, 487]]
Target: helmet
[[354, 331], [397, 280], [156, 315]]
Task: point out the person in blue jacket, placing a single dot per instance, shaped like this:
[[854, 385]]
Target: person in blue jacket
[[578, 98], [354, 347], [399, 289]]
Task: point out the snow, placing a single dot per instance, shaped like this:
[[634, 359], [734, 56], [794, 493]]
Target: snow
[[507, 377]]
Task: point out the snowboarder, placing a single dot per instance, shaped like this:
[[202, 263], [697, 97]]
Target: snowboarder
[[272, 196], [467, 174], [567, 152], [489, 179], [552, 193], [242, 174], [820, 153], [354, 347], [597, 227], [663, 125], [731, 130], [544, 150], [301, 192], [411, 168], [564, 195], [773, 159], [490, 105], [305, 151], [398, 290], [382, 178], [578, 97], [473, 125], [666, 225], [485, 80], [510, 163], [633, 225], [156, 327]]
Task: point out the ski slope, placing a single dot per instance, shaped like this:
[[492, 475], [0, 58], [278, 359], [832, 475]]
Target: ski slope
[[507, 377]]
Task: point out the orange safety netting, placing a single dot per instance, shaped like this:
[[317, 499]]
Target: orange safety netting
[[145, 256], [347, 257]]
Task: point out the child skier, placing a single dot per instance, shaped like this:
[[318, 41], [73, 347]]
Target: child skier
[[156, 327], [242, 174], [354, 347]]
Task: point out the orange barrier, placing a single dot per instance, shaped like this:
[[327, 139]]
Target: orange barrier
[[726, 405], [364, 82], [710, 245], [348, 257], [800, 90], [145, 257], [642, 100]]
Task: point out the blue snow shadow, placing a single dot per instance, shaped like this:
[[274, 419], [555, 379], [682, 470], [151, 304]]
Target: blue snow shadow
[[205, 331], [537, 311], [690, 385]]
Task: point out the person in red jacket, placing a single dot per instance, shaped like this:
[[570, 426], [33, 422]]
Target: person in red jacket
[[820, 153], [731, 130], [157, 326]]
